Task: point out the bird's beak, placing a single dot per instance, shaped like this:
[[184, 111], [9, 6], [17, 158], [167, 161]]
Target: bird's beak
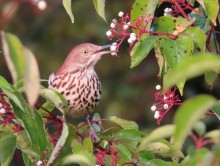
[[101, 50]]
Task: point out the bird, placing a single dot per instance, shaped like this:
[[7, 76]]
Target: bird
[[77, 80]]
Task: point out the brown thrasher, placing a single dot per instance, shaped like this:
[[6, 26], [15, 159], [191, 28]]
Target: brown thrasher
[[77, 80]]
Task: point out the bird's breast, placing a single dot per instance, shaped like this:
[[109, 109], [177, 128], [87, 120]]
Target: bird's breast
[[81, 89]]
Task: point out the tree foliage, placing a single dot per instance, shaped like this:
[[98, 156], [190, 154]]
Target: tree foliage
[[181, 40]]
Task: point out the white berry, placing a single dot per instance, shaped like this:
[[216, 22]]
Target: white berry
[[133, 38], [113, 53], [112, 25], [157, 115], [0, 105], [125, 27], [41, 4], [153, 108], [109, 33], [132, 34], [2, 111], [158, 87], [165, 106], [130, 41], [39, 163], [120, 14], [113, 47]]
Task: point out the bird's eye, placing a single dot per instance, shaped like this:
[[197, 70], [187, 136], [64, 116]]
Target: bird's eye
[[85, 52]]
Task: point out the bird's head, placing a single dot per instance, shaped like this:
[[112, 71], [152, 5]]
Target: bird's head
[[84, 56]]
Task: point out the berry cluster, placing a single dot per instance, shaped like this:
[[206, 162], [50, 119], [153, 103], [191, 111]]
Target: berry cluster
[[122, 29], [164, 102]]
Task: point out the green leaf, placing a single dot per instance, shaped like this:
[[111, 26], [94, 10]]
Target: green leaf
[[210, 77], [67, 4], [138, 9], [123, 154], [161, 132], [31, 78], [88, 145], [56, 98], [142, 50], [157, 147], [145, 156], [176, 51], [212, 9], [200, 21], [24, 144], [81, 158], [191, 67], [216, 109], [125, 124], [33, 123], [100, 8], [96, 127], [198, 37], [22, 65], [159, 162], [129, 138], [7, 149], [197, 158], [60, 143], [67, 148], [14, 55], [160, 59], [192, 110], [164, 24]]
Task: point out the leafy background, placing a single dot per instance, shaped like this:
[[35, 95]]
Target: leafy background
[[128, 93]]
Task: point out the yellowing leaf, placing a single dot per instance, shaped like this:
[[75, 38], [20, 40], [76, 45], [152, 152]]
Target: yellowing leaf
[[67, 4], [100, 7]]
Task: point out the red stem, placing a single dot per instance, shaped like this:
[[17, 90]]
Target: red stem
[[7, 15], [174, 2]]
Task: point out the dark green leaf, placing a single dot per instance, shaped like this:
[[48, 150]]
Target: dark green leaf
[[123, 154], [35, 128], [200, 21], [192, 110], [7, 149], [142, 50]]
